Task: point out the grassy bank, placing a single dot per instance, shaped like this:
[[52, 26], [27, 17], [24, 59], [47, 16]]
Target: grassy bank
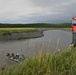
[[63, 63], [68, 29], [13, 30]]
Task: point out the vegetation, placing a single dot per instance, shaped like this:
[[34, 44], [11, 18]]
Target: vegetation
[[36, 25], [63, 63], [67, 28], [12, 30]]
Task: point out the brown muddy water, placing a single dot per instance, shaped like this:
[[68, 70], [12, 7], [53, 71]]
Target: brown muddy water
[[51, 41]]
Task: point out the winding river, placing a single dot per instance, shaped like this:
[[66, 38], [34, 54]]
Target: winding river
[[51, 41]]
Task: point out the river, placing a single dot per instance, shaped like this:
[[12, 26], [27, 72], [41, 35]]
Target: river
[[51, 41]]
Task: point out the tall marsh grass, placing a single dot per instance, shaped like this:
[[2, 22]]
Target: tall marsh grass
[[63, 63], [12, 30]]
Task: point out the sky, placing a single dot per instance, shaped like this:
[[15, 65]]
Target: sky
[[37, 11]]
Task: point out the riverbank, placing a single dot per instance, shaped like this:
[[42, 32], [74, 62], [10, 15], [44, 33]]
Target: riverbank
[[63, 63], [23, 34]]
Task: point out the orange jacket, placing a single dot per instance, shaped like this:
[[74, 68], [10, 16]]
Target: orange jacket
[[74, 28]]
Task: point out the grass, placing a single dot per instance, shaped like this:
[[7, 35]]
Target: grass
[[68, 29], [13, 30], [63, 63]]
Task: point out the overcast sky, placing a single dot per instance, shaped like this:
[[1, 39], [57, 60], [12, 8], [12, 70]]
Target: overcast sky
[[37, 11]]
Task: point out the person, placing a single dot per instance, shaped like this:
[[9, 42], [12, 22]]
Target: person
[[74, 24], [7, 54], [17, 56], [13, 55], [73, 30]]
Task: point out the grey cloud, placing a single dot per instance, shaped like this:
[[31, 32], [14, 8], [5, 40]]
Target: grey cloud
[[47, 3], [45, 11]]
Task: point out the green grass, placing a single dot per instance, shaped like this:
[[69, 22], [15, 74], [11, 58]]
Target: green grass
[[68, 29], [13, 30], [63, 63]]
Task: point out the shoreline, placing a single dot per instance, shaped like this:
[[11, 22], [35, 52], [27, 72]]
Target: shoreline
[[23, 35]]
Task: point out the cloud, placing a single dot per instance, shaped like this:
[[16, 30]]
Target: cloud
[[29, 11]]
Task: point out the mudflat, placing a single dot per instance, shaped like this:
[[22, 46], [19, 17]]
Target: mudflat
[[21, 35]]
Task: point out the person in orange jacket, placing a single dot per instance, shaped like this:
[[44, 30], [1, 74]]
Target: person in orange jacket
[[74, 24], [74, 30]]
